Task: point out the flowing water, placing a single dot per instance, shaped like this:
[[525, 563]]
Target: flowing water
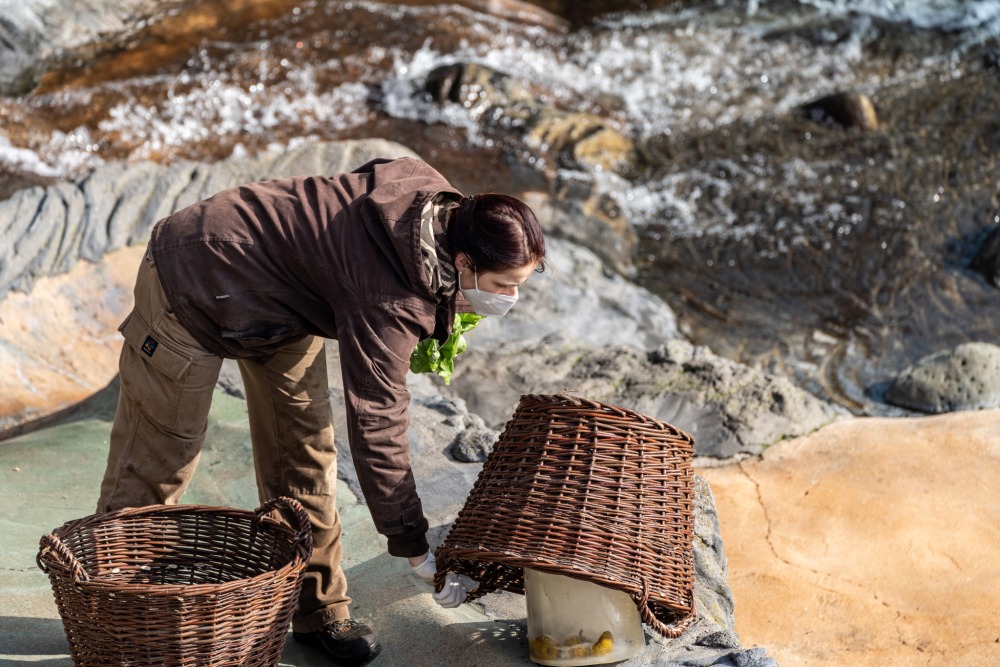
[[838, 257]]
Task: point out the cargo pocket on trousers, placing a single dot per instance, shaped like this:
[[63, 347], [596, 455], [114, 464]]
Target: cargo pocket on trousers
[[172, 389]]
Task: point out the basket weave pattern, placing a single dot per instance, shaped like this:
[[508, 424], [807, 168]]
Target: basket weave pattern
[[587, 490], [178, 585]]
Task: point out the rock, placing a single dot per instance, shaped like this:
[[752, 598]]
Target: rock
[[965, 378], [473, 445], [729, 408], [851, 110], [445, 484], [522, 10], [713, 598], [436, 420], [987, 259], [577, 304], [580, 140], [582, 212], [60, 343], [581, 13]]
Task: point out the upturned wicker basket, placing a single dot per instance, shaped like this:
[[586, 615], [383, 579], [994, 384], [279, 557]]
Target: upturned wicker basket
[[178, 585], [586, 490]]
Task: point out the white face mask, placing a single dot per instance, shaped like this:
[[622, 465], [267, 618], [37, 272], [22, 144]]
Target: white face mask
[[487, 303]]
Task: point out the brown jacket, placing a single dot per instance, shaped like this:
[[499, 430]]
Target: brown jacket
[[261, 265]]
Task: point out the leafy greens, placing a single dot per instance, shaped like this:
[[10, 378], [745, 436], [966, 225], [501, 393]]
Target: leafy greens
[[431, 357]]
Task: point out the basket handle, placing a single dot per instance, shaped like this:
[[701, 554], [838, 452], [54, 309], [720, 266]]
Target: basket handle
[[51, 544], [673, 630], [303, 538]]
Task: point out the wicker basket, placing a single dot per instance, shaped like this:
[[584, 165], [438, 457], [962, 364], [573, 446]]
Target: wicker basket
[[586, 490], [180, 585]]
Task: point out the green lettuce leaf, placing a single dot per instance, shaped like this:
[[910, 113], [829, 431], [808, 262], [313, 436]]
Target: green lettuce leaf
[[431, 357]]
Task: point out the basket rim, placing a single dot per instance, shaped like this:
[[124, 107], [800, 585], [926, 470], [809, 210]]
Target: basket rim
[[568, 399], [300, 541]]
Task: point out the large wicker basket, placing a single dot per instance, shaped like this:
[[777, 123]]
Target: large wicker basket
[[178, 585], [586, 490]]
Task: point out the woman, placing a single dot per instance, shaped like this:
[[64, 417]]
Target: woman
[[378, 259]]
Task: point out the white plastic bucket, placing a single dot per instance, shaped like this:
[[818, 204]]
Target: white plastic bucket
[[574, 622]]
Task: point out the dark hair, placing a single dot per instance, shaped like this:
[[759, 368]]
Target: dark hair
[[498, 232]]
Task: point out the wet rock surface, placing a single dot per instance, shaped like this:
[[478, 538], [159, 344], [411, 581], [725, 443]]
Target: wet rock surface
[[580, 142], [33, 33]]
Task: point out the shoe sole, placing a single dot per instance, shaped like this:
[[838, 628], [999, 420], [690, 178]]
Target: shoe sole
[[308, 640]]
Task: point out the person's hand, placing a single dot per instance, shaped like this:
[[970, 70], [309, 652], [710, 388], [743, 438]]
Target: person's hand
[[425, 568], [455, 590], [456, 587]]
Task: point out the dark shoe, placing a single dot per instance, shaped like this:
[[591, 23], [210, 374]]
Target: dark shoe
[[347, 642]]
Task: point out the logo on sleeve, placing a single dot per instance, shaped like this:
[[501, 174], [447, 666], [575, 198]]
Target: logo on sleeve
[[149, 346]]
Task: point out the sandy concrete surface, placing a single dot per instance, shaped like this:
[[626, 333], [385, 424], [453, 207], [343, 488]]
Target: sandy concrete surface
[[873, 542]]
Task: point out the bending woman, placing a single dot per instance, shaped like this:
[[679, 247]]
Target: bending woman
[[378, 259]]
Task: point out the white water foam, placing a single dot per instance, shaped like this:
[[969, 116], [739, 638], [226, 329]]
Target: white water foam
[[218, 108], [978, 19], [63, 154]]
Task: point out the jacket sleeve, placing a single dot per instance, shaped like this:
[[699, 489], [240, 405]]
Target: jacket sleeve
[[375, 345]]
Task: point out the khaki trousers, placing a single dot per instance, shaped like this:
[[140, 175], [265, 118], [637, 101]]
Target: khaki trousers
[[167, 380]]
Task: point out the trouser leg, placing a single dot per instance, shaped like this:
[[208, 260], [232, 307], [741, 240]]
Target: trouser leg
[[291, 427], [167, 380]]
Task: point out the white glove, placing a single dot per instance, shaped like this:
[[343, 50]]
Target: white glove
[[426, 569], [456, 589]]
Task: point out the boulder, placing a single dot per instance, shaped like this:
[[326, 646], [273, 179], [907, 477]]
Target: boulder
[[964, 378], [847, 109], [987, 259], [582, 13], [576, 139], [579, 298]]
